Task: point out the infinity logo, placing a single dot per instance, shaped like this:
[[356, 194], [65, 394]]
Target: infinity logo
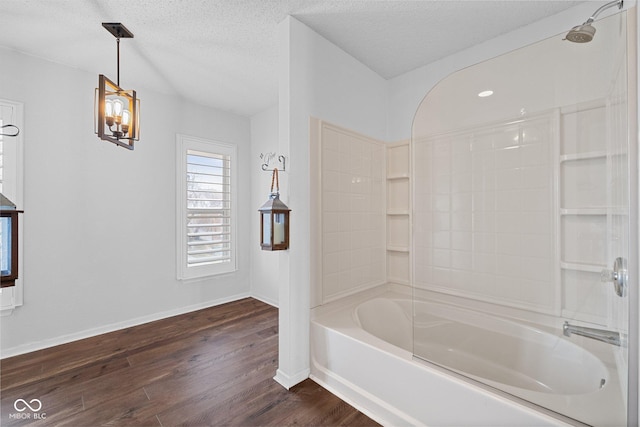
[[21, 405]]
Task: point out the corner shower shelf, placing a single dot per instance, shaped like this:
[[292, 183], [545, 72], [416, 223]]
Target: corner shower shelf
[[398, 219], [583, 156], [398, 249], [577, 266], [584, 211], [397, 176], [397, 212], [595, 211]]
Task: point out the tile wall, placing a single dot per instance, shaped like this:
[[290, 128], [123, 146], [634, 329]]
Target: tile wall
[[353, 212], [484, 214]]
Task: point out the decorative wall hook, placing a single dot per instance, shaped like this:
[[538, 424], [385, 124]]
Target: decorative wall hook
[[14, 132], [270, 157]]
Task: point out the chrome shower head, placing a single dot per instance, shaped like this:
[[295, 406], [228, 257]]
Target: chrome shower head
[[584, 33], [581, 33]]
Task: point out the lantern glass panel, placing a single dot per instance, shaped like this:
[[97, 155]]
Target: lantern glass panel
[[5, 241], [266, 228], [278, 228]]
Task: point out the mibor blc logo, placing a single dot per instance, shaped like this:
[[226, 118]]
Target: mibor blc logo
[[28, 410]]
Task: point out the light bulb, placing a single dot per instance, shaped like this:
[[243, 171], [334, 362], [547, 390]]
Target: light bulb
[[108, 108], [108, 112], [126, 118], [117, 110]]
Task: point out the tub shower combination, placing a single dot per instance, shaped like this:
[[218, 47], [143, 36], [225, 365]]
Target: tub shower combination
[[504, 319], [363, 350]]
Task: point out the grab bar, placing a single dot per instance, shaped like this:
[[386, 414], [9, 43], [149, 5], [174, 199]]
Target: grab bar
[[609, 337]]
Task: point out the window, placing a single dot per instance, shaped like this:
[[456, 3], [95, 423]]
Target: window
[[206, 207]]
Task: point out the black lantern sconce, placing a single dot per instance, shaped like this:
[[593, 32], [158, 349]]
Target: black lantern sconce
[[117, 111], [8, 242], [274, 220]]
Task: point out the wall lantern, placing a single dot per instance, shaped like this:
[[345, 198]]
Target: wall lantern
[[8, 242], [274, 220], [117, 111]]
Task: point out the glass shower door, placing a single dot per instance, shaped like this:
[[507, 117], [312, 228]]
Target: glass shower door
[[521, 208]]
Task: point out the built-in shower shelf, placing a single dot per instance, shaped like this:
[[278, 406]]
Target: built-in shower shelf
[[397, 176], [595, 211], [584, 211], [577, 266], [583, 156], [397, 212], [398, 249]]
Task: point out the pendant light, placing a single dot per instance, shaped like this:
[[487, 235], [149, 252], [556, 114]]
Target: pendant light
[[117, 110]]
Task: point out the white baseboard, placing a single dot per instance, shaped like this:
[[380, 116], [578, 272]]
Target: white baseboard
[[288, 381], [88, 333], [266, 300]]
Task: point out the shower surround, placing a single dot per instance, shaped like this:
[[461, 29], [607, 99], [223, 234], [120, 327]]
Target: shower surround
[[517, 203]]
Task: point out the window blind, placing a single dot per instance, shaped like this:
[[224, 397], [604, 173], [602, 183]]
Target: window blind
[[209, 217]]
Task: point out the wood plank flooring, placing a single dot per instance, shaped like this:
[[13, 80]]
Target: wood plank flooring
[[212, 367]]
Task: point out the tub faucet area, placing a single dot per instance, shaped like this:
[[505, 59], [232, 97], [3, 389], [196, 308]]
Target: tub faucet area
[[609, 337]]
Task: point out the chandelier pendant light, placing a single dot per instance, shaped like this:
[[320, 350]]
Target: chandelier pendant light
[[117, 110]]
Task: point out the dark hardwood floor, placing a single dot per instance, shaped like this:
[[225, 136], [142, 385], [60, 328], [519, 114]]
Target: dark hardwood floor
[[213, 367]]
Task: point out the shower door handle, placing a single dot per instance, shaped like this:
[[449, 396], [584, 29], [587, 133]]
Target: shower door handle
[[618, 276]]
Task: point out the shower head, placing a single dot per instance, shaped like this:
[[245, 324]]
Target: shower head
[[584, 33], [581, 33]]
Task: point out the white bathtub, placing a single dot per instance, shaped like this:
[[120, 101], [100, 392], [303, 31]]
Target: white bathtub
[[362, 351]]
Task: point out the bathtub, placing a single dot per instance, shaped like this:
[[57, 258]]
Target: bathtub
[[362, 351]]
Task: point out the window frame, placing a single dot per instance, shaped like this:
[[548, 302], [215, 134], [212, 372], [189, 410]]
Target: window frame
[[184, 144]]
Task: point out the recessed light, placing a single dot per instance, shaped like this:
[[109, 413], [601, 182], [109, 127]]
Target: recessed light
[[485, 93]]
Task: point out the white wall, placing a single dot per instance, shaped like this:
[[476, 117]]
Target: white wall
[[318, 80], [265, 265], [100, 221]]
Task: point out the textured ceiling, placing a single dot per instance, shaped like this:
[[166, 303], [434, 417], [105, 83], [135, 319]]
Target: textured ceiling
[[223, 53]]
